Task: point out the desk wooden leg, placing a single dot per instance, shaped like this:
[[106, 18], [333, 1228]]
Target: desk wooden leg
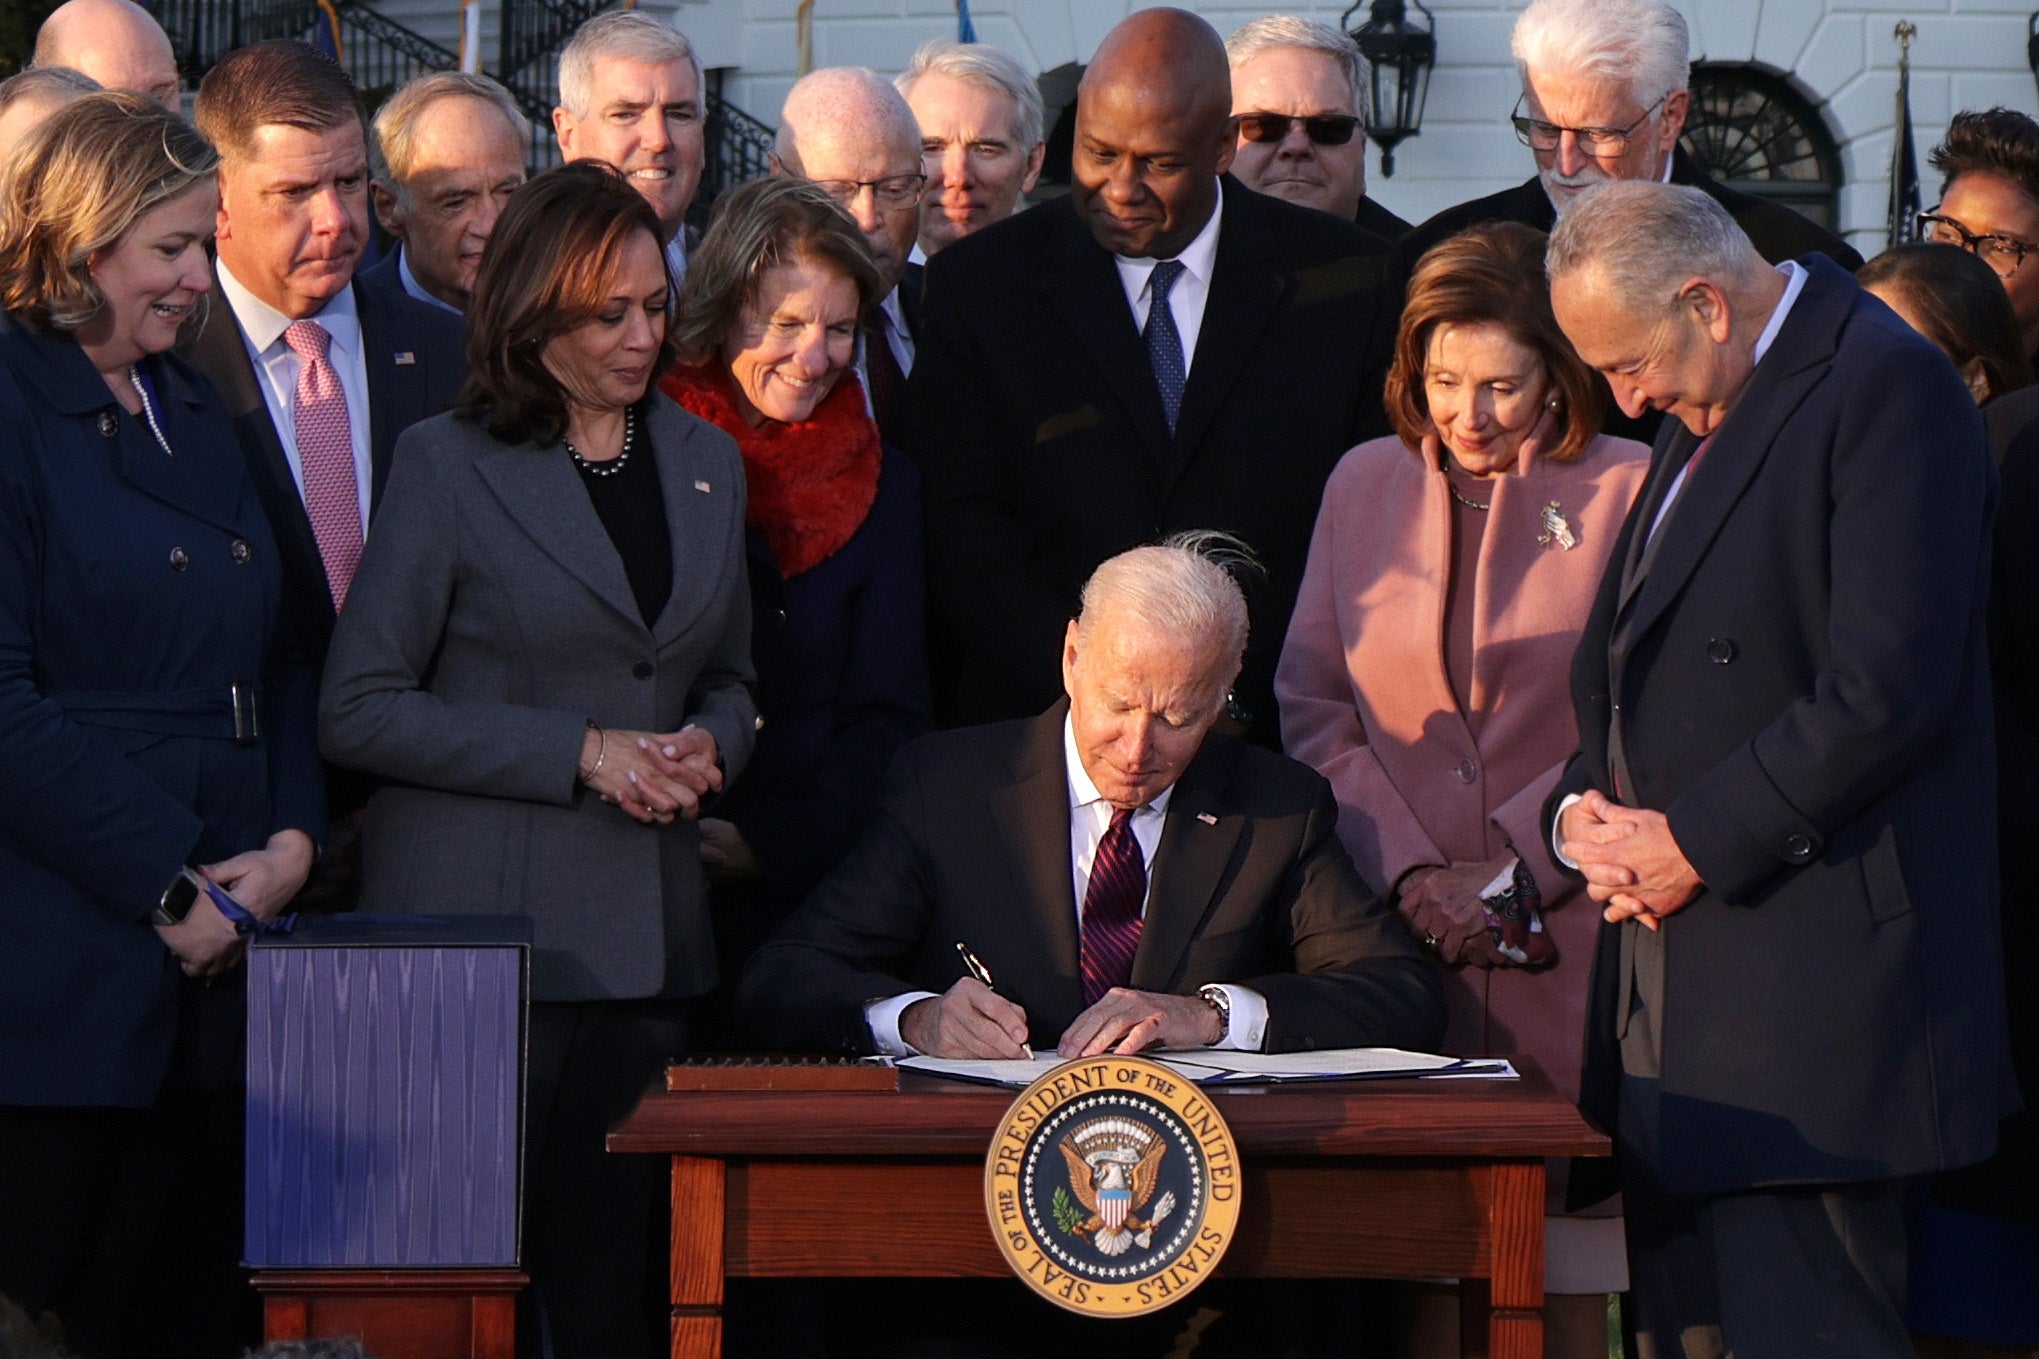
[[697, 1257], [1502, 1317]]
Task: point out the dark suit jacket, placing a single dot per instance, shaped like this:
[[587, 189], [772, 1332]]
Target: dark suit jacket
[[973, 844], [1039, 429], [400, 394], [1778, 233], [1802, 686], [135, 591], [1382, 223]]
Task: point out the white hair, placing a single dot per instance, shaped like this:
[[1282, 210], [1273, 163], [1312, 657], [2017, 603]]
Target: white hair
[[977, 64], [1646, 240], [1274, 32], [844, 97], [1183, 586], [1643, 43], [630, 34], [396, 121]]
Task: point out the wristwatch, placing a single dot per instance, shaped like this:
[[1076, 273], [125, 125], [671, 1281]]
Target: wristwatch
[[177, 899], [1217, 999]]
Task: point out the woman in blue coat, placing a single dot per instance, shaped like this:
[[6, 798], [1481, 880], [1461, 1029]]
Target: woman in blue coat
[[151, 738]]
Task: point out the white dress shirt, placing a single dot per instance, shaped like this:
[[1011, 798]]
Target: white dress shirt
[[1794, 284], [1191, 291], [415, 288], [1090, 816], [276, 367]]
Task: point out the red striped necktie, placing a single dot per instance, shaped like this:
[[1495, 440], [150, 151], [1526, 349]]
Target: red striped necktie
[[1111, 908]]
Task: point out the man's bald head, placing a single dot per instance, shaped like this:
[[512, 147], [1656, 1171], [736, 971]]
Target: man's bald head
[[1154, 129], [847, 129], [115, 42]]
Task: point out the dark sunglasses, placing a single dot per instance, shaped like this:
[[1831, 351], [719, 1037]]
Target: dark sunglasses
[[1325, 129]]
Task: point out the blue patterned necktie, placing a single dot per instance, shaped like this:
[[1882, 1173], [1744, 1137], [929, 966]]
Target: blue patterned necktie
[[1164, 342], [1111, 909]]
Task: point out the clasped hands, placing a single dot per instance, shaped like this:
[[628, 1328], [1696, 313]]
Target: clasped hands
[[1633, 866], [972, 1020], [653, 777], [262, 880]]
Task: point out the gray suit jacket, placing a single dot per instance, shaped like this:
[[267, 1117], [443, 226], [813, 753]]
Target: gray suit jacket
[[490, 621]]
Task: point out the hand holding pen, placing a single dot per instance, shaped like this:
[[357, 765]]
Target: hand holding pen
[[970, 1020]]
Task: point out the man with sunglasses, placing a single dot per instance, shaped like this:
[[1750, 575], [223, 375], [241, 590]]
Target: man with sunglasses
[[846, 129], [1296, 92], [1604, 98]]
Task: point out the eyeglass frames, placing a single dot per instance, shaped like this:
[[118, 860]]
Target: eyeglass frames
[[893, 191], [1325, 129], [1538, 135], [2003, 254]]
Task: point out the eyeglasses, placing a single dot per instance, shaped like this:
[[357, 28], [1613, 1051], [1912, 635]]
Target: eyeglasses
[[893, 191], [1538, 135], [1325, 129], [2003, 254]]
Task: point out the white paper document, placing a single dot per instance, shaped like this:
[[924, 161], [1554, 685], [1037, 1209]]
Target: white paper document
[[1211, 1066]]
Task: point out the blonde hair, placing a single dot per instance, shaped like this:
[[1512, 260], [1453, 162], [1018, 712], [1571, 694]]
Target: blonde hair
[[74, 186]]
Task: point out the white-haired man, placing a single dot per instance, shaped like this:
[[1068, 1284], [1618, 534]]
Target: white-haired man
[[630, 94], [1177, 888], [1784, 796], [28, 97], [1297, 91], [847, 129], [981, 137], [447, 153], [1604, 98], [115, 42]]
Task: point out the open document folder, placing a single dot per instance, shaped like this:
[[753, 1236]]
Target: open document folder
[[1210, 1066]]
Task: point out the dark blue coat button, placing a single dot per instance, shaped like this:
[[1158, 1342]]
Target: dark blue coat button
[[1798, 847], [240, 551], [109, 424], [643, 670], [1720, 650], [179, 559]]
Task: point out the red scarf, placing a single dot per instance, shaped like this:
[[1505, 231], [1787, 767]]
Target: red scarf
[[811, 484]]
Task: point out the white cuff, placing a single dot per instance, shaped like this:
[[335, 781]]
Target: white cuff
[[1557, 842], [883, 1017], [1248, 1027]]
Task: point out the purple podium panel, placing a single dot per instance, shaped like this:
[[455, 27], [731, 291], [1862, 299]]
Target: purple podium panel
[[385, 1093]]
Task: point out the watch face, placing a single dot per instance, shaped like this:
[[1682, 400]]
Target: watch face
[[177, 901]]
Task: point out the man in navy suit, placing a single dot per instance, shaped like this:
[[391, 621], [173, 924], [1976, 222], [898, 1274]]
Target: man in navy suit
[[1783, 797], [1163, 349]]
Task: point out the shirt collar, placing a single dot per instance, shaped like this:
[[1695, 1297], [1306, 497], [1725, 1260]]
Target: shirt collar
[[894, 313], [264, 325], [1082, 792], [1200, 256], [415, 288], [1795, 277]]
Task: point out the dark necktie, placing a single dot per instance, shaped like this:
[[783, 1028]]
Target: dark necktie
[[887, 379], [1164, 341], [1111, 908]]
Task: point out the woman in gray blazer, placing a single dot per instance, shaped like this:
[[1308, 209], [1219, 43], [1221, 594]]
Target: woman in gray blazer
[[546, 654]]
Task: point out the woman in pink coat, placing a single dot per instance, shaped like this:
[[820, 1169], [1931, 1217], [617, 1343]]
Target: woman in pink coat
[[1427, 666]]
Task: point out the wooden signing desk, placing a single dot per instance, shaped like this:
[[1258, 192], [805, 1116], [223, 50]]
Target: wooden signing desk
[[1361, 1179]]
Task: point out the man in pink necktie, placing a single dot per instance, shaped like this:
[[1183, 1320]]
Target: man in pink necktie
[[1125, 877]]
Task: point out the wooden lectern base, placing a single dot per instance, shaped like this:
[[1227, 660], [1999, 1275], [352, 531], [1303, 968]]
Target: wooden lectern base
[[396, 1313]]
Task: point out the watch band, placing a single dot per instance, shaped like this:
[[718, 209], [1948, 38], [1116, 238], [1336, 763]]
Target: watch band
[[1216, 997]]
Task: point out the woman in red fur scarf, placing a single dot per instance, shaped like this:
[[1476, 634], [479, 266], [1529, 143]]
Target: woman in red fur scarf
[[767, 334]]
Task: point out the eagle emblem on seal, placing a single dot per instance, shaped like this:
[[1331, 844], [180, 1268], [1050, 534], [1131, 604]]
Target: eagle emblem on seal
[[1113, 1166]]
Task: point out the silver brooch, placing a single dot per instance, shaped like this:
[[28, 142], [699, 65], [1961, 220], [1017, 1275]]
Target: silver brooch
[[1555, 529]]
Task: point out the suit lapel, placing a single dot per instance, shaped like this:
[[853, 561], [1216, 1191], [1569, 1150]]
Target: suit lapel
[[1031, 814], [696, 522], [540, 490], [1244, 296], [396, 395], [1188, 869], [189, 476], [1082, 284]]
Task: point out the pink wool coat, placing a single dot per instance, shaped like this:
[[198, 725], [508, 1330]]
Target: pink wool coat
[[1366, 701]]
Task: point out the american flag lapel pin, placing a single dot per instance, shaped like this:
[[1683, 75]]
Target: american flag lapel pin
[[405, 358], [703, 487], [1207, 818]]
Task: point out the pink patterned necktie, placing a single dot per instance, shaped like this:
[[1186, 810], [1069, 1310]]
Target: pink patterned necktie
[[325, 452], [1111, 908]]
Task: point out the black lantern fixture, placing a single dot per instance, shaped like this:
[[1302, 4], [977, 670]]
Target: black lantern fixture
[[1400, 54]]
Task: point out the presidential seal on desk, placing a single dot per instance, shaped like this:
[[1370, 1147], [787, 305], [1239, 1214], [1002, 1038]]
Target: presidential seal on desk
[[1113, 1186]]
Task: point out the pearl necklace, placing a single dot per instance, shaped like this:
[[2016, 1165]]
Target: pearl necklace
[[615, 464], [134, 377]]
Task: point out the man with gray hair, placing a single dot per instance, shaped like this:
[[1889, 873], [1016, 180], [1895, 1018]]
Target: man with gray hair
[[981, 137], [1784, 798], [1603, 98], [28, 97], [847, 129], [447, 152], [1177, 888], [115, 42], [1298, 93], [630, 94]]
